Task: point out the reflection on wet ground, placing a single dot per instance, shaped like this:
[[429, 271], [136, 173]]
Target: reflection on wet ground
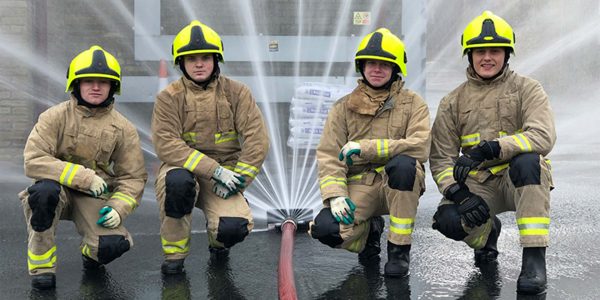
[[440, 268]]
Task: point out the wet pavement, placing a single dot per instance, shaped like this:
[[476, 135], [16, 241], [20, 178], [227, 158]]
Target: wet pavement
[[440, 268]]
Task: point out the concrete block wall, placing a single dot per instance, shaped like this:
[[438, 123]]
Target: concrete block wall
[[15, 80]]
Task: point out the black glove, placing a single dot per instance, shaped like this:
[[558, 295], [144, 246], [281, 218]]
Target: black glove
[[474, 157], [472, 208]]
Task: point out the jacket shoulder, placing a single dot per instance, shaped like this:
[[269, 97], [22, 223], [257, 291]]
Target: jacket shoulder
[[122, 120], [524, 81], [232, 83], [410, 96], [56, 110], [451, 97], [232, 86], [172, 90]]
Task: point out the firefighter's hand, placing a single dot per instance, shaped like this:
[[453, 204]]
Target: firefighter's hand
[[474, 211], [351, 148], [472, 208], [473, 158], [221, 190], [342, 209], [98, 186], [109, 218], [231, 180]]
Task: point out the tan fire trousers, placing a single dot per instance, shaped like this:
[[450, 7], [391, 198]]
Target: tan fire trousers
[[78, 207], [175, 233], [373, 197], [530, 202]]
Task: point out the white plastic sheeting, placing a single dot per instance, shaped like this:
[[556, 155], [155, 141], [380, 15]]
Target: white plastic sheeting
[[308, 111]]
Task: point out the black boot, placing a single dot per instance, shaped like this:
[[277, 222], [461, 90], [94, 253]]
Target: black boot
[[489, 252], [398, 260], [218, 253], [90, 264], [44, 281], [373, 245], [532, 280], [172, 266]]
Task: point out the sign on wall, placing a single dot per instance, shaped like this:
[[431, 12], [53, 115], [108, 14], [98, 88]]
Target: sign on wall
[[362, 18]]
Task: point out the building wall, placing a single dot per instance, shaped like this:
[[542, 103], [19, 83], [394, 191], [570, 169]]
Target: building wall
[[48, 35], [15, 106]]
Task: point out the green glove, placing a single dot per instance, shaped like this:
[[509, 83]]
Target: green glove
[[221, 190], [230, 179], [109, 218], [98, 186], [351, 148], [342, 209]]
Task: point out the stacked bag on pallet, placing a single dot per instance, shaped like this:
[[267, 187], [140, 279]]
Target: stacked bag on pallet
[[308, 112]]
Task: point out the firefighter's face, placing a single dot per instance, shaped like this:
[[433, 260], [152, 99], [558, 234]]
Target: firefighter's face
[[199, 66], [94, 90], [378, 72], [488, 61]]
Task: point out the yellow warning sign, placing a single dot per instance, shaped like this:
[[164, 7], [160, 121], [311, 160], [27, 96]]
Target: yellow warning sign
[[362, 18]]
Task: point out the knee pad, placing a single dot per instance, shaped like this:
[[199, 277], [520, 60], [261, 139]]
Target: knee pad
[[326, 229], [447, 221], [110, 247], [43, 200], [401, 171], [525, 169], [180, 193], [232, 230]]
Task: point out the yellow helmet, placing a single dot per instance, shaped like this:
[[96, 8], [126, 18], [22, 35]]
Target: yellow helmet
[[382, 45], [196, 38], [488, 30], [94, 62]]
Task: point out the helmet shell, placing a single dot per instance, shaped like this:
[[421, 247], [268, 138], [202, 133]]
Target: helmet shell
[[196, 38], [487, 30], [382, 45], [94, 62]]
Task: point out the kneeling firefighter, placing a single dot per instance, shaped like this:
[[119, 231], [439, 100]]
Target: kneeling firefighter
[[211, 138], [371, 156], [503, 125], [88, 167]]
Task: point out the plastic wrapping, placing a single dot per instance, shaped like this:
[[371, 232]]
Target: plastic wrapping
[[308, 112]]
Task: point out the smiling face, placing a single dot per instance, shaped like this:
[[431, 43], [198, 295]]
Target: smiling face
[[488, 62], [199, 66], [378, 72], [94, 90]]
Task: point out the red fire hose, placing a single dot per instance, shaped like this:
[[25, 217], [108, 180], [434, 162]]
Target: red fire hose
[[287, 287]]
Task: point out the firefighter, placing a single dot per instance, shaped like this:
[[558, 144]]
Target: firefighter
[[503, 125], [88, 167], [211, 138], [370, 158]]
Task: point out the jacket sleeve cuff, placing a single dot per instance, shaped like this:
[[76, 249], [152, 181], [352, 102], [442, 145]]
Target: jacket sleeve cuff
[[368, 149], [123, 204]]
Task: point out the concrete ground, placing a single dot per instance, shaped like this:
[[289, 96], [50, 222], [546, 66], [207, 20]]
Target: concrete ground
[[440, 268]]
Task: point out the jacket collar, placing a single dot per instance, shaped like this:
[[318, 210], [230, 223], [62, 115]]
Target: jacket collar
[[191, 85], [476, 79]]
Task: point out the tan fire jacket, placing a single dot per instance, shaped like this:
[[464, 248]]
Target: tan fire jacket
[[398, 125], [512, 109], [199, 129], [70, 143]]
